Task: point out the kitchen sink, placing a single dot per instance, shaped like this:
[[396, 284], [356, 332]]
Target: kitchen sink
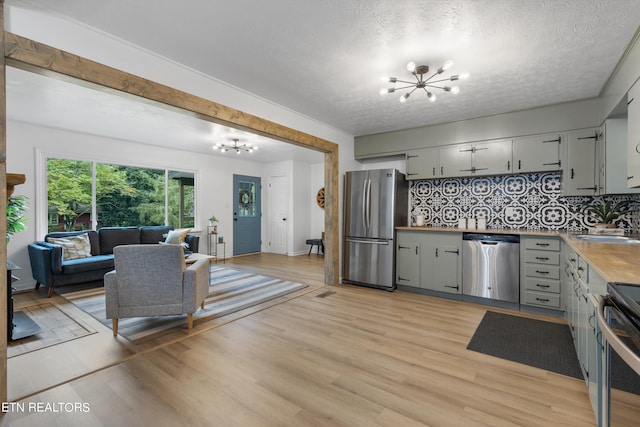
[[607, 239]]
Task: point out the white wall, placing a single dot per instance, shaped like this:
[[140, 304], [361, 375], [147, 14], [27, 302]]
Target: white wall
[[28, 144], [316, 182], [95, 45]]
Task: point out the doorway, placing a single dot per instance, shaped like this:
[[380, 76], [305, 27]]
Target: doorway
[[247, 215], [278, 206]]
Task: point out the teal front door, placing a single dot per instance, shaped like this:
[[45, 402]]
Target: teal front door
[[247, 215]]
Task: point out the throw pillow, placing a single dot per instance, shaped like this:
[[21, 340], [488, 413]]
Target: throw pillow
[[73, 247], [176, 237]]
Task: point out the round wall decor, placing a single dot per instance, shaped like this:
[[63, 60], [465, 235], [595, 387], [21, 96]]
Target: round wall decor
[[320, 198]]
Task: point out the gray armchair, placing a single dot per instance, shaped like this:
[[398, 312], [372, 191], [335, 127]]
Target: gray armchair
[[153, 280]]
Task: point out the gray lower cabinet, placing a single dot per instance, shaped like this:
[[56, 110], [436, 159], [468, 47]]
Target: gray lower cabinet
[[408, 258], [540, 272], [580, 285], [429, 260]]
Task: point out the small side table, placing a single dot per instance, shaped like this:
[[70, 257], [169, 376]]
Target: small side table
[[213, 241], [19, 325]]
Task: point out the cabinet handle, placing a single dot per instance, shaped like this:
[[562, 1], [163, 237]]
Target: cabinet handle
[[552, 140], [434, 171], [629, 177], [594, 188], [630, 101], [542, 244], [508, 165], [404, 247], [412, 157], [453, 252], [586, 372], [449, 286], [411, 174], [441, 170], [542, 299], [416, 250], [542, 272], [590, 321], [552, 163], [542, 258], [404, 280], [436, 252], [519, 164], [572, 173], [541, 286], [638, 148], [595, 136]]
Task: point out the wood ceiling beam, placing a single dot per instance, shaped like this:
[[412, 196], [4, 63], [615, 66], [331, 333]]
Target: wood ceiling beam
[[37, 57]]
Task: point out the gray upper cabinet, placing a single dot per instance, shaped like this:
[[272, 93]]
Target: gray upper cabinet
[[455, 160], [612, 158], [537, 153], [633, 136], [581, 171], [477, 159], [423, 164]]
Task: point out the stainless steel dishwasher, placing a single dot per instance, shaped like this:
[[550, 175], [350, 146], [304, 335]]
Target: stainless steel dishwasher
[[491, 266]]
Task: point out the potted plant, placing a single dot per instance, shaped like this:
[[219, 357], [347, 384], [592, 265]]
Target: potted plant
[[608, 213], [16, 221], [213, 221]]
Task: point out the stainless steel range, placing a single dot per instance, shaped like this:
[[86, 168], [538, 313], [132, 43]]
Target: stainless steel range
[[619, 322]]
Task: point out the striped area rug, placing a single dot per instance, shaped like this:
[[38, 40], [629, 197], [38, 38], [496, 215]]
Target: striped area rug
[[230, 291]]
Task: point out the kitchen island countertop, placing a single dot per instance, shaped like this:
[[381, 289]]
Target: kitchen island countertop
[[615, 262]]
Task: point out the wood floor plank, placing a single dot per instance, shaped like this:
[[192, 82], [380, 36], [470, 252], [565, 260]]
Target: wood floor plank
[[355, 357]]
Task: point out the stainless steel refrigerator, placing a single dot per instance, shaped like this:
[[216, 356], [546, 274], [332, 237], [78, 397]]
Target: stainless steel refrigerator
[[375, 202]]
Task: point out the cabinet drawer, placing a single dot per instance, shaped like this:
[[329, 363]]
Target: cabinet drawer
[[542, 244], [542, 257], [543, 271], [542, 299], [542, 285]]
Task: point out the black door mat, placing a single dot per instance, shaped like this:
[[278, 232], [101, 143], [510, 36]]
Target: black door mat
[[532, 342]]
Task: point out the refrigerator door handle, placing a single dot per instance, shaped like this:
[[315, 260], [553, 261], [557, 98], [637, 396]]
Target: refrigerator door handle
[[364, 206], [369, 242], [368, 204]]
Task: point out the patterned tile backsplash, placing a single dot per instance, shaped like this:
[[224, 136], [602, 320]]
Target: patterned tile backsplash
[[531, 201]]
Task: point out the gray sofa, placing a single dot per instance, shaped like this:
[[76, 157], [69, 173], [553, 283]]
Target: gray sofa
[[49, 268]]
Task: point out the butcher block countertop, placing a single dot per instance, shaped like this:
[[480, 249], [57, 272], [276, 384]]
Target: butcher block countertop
[[615, 262]]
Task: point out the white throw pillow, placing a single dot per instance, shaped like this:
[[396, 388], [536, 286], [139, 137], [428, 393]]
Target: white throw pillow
[[73, 247], [176, 237]]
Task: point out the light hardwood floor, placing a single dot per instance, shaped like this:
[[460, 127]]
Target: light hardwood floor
[[333, 356]]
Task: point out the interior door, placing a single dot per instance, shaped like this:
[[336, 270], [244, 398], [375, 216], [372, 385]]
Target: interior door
[[278, 214], [247, 214]]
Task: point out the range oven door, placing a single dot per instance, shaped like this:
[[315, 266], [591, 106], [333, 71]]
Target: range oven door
[[620, 326]]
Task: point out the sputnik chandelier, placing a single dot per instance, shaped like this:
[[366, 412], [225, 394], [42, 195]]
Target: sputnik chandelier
[[238, 148], [424, 81]]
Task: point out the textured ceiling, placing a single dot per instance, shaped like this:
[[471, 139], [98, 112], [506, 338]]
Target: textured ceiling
[[325, 58]]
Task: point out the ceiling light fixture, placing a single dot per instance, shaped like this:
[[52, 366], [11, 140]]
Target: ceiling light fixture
[[423, 82], [238, 148]]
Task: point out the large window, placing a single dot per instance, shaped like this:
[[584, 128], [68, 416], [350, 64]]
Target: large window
[[122, 196]]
